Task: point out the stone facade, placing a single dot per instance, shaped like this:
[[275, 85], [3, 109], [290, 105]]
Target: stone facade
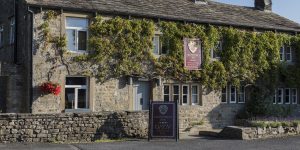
[[72, 127]]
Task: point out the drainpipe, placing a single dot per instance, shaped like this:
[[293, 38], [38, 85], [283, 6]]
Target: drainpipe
[[16, 17], [31, 56]]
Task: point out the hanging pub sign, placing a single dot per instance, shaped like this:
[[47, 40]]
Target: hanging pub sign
[[192, 53], [163, 120]]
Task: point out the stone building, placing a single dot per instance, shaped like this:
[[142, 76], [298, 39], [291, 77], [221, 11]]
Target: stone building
[[26, 63]]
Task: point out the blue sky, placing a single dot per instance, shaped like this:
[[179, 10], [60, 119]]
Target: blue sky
[[287, 8]]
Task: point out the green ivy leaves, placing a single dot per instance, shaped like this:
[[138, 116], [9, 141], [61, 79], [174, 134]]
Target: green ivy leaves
[[121, 47]]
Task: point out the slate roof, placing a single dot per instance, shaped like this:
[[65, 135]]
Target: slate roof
[[183, 10]]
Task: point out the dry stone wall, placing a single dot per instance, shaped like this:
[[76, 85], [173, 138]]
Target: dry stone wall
[[72, 127], [250, 133]]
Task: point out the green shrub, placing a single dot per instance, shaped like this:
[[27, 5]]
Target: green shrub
[[286, 124], [274, 124], [260, 124]]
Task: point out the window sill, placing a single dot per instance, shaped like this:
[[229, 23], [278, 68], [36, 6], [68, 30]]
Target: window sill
[[216, 58], [77, 52], [77, 110]]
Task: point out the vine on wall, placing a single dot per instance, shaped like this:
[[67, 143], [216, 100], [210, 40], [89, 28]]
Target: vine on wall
[[120, 47], [123, 47]]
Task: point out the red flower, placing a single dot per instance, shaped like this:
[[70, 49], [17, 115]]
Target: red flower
[[51, 88]]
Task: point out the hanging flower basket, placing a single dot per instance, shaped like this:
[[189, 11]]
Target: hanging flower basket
[[51, 88]]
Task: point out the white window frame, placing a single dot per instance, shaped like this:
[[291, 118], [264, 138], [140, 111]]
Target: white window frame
[[275, 97], [289, 95], [1, 35], [173, 94], [188, 94], [244, 95], [76, 88], [77, 30], [169, 94], [220, 42], [12, 30], [290, 53], [198, 95], [226, 95], [159, 45], [230, 100], [281, 95], [296, 96]]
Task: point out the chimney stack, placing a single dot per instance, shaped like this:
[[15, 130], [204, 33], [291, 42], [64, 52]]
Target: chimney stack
[[200, 1], [264, 5]]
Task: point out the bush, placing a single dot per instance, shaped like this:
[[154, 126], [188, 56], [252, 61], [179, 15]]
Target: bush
[[260, 124], [274, 124]]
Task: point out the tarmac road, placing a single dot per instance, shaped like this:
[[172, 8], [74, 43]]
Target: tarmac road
[[203, 143]]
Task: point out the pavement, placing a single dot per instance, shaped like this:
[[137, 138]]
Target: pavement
[[199, 143]]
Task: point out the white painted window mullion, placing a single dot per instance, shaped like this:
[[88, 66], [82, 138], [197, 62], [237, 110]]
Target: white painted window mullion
[[76, 98]]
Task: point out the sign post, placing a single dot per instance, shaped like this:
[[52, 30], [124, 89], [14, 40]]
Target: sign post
[[163, 120]]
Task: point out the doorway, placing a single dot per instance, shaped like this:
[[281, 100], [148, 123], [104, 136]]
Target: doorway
[[141, 95]]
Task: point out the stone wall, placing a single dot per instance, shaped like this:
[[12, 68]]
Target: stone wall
[[250, 133], [72, 127]]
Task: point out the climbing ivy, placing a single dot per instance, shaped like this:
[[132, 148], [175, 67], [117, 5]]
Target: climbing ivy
[[60, 41], [121, 47]]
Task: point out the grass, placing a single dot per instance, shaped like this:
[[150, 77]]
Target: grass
[[109, 140]]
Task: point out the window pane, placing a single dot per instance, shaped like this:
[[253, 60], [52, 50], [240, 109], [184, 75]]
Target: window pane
[[194, 89], [185, 90], [232, 94], [82, 40], [175, 89], [294, 96], [166, 98], [195, 99], [288, 57], [71, 39], [288, 50], [166, 93], [166, 89], [77, 22], [217, 50], [185, 93], [70, 98], [279, 96], [287, 96], [176, 98], [281, 53], [184, 99], [75, 81], [156, 45], [82, 100]]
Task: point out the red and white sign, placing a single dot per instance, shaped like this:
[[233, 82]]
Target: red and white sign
[[192, 54]]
